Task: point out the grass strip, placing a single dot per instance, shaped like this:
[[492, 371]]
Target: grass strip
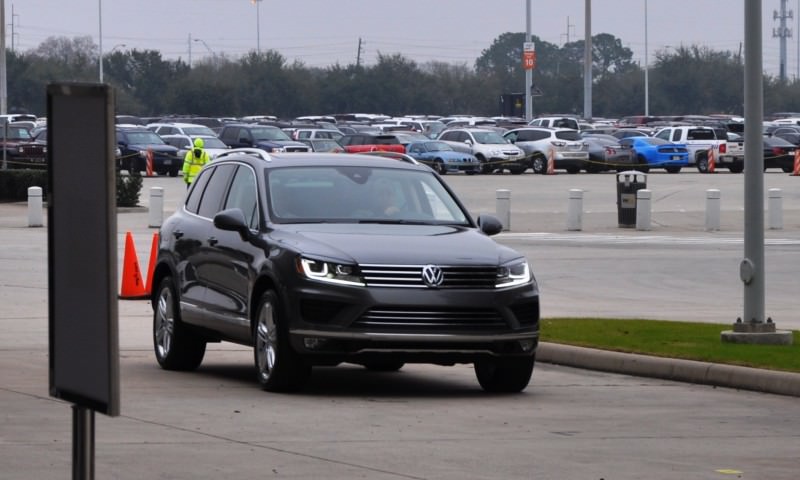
[[686, 340]]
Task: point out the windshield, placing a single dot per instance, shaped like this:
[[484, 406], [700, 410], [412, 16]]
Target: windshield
[[144, 138], [438, 147], [360, 195], [15, 133], [488, 137], [268, 134], [199, 130], [213, 142]]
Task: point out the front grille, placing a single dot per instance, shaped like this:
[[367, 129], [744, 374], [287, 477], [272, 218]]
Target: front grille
[[297, 149], [410, 276], [430, 320]]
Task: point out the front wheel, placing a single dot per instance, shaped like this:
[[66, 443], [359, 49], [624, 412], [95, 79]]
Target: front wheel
[[736, 168], [485, 167], [439, 166], [641, 164], [673, 169], [508, 375], [279, 367], [539, 164], [176, 347]]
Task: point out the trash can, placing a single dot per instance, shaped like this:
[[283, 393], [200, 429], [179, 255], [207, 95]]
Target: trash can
[[628, 183]]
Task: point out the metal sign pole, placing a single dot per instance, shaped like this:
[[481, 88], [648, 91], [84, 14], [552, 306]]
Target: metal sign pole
[[82, 443]]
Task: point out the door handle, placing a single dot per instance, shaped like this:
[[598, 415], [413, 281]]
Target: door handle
[[212, 241], [177, 234]]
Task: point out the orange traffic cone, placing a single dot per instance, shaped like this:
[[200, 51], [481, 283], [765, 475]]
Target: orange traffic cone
[[132, 283], [712, 163], [796, 170], [151, 265], [551, 162]]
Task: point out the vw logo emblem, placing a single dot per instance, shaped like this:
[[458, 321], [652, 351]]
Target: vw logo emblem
[[432, 275]]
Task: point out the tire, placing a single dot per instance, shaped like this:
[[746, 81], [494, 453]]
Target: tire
[[173, 172], [485, 167], [736, 168], [539, 164], [787, 169], [176, 347], [702, 164], [510, 375], [383, 365], [641, 164], [673, 169], [573, 170], [279, 367], [439, 166], [517, 170]]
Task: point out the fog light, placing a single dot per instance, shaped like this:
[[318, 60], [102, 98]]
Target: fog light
[[526, 345], [314, 343]]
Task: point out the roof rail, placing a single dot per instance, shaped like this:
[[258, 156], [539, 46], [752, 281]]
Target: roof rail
[[258, 152]]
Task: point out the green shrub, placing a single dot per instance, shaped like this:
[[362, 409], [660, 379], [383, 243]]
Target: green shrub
[[14, 186], [128, 189]]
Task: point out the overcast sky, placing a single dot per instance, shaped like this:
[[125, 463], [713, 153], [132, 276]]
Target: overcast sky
[[323, 32]]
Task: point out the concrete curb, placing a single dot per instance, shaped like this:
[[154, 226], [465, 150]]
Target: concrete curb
[[745, 378]]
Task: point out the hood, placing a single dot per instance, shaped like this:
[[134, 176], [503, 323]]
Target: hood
[[395, 244]]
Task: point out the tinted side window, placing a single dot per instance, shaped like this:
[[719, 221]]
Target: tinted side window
[[539, 135], [664, 135], [214, 192], [676, 136], [196, 193], [229, 134], [243, 195]]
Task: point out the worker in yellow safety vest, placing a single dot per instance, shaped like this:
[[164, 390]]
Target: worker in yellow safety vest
[[194, 161]]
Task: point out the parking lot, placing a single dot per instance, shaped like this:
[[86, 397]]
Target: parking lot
[[434, 422]]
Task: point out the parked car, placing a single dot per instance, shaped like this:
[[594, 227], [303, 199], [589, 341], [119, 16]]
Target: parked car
[[442, 158], [305, 269], [314, 134], [323, 145], [181, 129], [494, 152], [266, 137], [654, 152], [211, 144], [606, 153], [630, 132], [566, 145], [19, 149], [779, 153], [136, 143]]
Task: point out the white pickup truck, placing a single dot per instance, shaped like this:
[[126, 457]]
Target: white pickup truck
[[700, 140]]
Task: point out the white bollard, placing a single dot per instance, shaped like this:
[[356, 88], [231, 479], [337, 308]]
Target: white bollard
[[643, 208], [503, 207], [156, 213], [712, 209], [775, 205], [35, 216], [575, 209]]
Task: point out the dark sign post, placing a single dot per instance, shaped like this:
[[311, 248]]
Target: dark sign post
[[82, 259]]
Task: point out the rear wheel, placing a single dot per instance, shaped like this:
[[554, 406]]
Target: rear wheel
[[736, 168], [439, 166], [279, 367], [702, 164], [673, 169], [507, 375], [539, 164], [176, 347]]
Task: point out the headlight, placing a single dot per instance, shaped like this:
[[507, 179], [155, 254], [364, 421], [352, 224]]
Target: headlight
[[143, 153], [329, 272], [513, 274], [278, 150], [495, 153]]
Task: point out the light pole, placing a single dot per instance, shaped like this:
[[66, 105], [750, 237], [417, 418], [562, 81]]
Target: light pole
[[646, 68], [257, 3], [100, 35], [206, 45]]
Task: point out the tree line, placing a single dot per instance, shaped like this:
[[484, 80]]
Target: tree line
[[686, 80]]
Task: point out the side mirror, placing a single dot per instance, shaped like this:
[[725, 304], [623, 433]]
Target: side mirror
[[489, 224], [232, 220]]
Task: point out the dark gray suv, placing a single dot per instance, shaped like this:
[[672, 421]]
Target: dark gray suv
[[319, 259]]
